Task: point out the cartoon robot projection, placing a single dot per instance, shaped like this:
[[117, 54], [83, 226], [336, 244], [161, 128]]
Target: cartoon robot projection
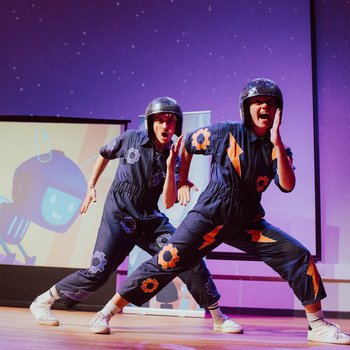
[[48, 190]]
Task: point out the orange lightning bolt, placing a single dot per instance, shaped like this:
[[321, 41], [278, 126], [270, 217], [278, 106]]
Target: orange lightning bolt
[[312, 271], [257, 236], [233, 153], [209, 238]]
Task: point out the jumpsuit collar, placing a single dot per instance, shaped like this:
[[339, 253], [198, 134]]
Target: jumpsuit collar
[[151, 142], [254, 138], [145, 140]]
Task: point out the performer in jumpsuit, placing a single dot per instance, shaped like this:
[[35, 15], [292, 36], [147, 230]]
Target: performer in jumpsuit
[[147, 167], [246, 157]]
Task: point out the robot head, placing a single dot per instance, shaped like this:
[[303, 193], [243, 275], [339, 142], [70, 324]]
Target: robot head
[[163, 105], [49, 191], [258, 87]]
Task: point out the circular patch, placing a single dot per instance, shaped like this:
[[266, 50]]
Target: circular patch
[[261, 183], [200, 139], [163, 239], [128, 224], [98, 262], [168, 257], [132, 155], [149, 285]]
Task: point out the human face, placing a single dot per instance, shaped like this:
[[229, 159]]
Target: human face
[[164, 125], [262, 110]]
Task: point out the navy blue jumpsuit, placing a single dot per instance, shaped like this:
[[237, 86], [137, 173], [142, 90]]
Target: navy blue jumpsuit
[[131, 217], [229, 211]]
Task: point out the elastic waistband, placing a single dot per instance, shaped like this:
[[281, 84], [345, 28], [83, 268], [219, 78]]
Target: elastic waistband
[[125, 187], [239, 195]]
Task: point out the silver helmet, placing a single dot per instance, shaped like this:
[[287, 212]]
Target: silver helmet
[[164, 105], [258, 87]]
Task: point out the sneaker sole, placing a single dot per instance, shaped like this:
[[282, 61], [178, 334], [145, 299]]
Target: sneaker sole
[[232, 331], [328, 341], [48, 323], [100, 330]]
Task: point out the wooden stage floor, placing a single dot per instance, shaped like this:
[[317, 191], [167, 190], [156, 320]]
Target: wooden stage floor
[[19, 331]]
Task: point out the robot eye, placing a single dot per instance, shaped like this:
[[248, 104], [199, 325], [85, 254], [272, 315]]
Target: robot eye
[[71, 207], [53, 199]]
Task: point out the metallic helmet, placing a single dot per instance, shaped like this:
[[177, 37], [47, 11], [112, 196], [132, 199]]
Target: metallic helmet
[[164, 105], [258, 87]]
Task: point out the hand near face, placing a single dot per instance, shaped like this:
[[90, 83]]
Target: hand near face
[[275, 136], [174, 152]]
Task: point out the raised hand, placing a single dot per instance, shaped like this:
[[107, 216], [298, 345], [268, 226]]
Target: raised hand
[[275, 136], [174, 152]]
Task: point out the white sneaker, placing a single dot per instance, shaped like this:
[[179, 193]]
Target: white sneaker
[[228, 326], [42, 314], [99, 324], [328, 333]]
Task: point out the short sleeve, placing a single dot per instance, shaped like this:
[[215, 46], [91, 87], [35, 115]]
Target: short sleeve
[[114, 148], [276, 178], [204, 140]]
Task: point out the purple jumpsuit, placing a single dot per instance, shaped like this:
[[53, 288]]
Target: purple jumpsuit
[[229, 211], [131, 217]]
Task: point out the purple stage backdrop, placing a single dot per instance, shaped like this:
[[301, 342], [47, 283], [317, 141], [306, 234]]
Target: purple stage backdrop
[[105, 59]]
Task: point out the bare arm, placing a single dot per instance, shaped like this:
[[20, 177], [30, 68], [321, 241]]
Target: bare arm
[[284, 163], [99, 167], [183, 192], [169, 189]]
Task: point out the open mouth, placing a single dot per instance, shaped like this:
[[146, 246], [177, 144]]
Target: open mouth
[[165, 134], [264, 116]]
